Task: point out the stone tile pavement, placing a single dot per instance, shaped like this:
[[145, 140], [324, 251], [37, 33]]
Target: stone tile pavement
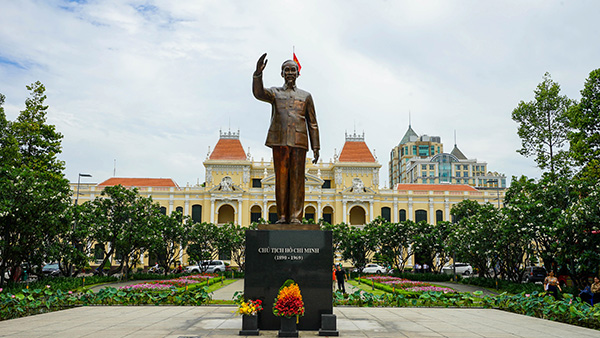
[[220, 321]]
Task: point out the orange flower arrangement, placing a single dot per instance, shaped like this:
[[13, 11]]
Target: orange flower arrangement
[[289, 301]]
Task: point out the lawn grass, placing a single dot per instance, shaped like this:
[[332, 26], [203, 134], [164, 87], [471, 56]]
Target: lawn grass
[[218, 285], [365, 287]]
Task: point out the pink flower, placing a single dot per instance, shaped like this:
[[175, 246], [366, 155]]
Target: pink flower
[[1, 289], [47, 286], [527, 295], [70, 292], [13, 296]]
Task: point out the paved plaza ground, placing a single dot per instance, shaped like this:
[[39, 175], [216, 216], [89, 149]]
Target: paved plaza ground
[[220, 321]]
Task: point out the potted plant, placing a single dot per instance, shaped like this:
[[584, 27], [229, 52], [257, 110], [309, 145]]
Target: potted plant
[[249, 310], [289, 306]]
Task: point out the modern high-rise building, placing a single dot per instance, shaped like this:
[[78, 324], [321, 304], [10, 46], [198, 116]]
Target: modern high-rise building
[[421, 159]]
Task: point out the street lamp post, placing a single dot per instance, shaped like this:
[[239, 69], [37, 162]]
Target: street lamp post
[[497, 189], [78, 182], [76, 216]]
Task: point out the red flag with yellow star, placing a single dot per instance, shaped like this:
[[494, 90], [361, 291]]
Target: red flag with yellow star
[[297, 62]]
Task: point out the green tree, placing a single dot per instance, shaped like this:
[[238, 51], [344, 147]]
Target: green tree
[[534, 208], [476, 234], [431, 243], [169, 238], [74, 246], [585, 124], [358, 243], [203, 243], [123, 223], [543, 127], [577, 241], [35, 194], [231, 238], [396, 240]]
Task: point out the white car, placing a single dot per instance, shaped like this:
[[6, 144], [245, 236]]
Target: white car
[[208, 267], [461, 269], [374, 268]]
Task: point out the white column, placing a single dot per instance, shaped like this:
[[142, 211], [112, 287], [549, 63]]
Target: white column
[[319, 211], [170, 205], [447, 210], [240, 211], [186, 206], [265, 210], [212, 211], [410, 215], [344, 216], [395, 212], [371, 211], [142, 259], [431, 215]]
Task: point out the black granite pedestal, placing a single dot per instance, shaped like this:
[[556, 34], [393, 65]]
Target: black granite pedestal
[[274, 256]]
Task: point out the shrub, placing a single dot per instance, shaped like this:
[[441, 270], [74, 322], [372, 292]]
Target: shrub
[[34, 301], [567, 310]]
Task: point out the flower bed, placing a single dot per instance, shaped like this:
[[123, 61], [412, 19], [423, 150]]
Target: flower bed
[[180, 282], [396, 283]]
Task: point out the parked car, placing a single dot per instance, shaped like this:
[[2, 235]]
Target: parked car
[[51, 270], [374, 268], [461, 269], [208, 267], [534, 274]]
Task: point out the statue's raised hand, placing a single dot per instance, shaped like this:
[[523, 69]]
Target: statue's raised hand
[[261, 64]]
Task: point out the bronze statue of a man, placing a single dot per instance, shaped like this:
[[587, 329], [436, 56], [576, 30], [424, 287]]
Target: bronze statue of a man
[[293, 120]]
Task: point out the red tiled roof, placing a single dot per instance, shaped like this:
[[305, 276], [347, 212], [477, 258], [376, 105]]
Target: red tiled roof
[[356, 151], [228, 149], [139, 182], [435, 187]]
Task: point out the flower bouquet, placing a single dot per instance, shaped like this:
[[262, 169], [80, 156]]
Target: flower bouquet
[[249, 310], [250, 307], [289, 301]]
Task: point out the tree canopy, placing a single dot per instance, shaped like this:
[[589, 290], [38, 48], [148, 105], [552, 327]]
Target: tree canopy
[[543, 126]]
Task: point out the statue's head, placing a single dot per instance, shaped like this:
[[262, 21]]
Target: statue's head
[[289, 71]]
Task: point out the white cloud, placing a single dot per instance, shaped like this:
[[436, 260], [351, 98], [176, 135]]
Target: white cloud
[[150, 83]]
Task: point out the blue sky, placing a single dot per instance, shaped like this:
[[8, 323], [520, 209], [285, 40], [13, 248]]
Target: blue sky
[[150, 83]]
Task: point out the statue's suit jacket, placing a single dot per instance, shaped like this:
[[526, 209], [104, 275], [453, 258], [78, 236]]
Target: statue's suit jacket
[[292, 114]]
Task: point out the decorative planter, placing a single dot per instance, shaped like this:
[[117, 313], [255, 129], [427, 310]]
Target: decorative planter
[[288, 327], [249, 325]]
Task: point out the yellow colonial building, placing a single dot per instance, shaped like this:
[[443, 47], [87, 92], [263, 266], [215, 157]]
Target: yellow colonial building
[[346, 189]]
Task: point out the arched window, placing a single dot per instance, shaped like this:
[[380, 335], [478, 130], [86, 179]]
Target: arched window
[[386, 213], [402, 215], [273, 214], [163, 210], [226, 214], [421, 215], [180, 211], [357, 216], [328, 214], [197, 213], [255, 213], [439, 216], [309, 213]]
